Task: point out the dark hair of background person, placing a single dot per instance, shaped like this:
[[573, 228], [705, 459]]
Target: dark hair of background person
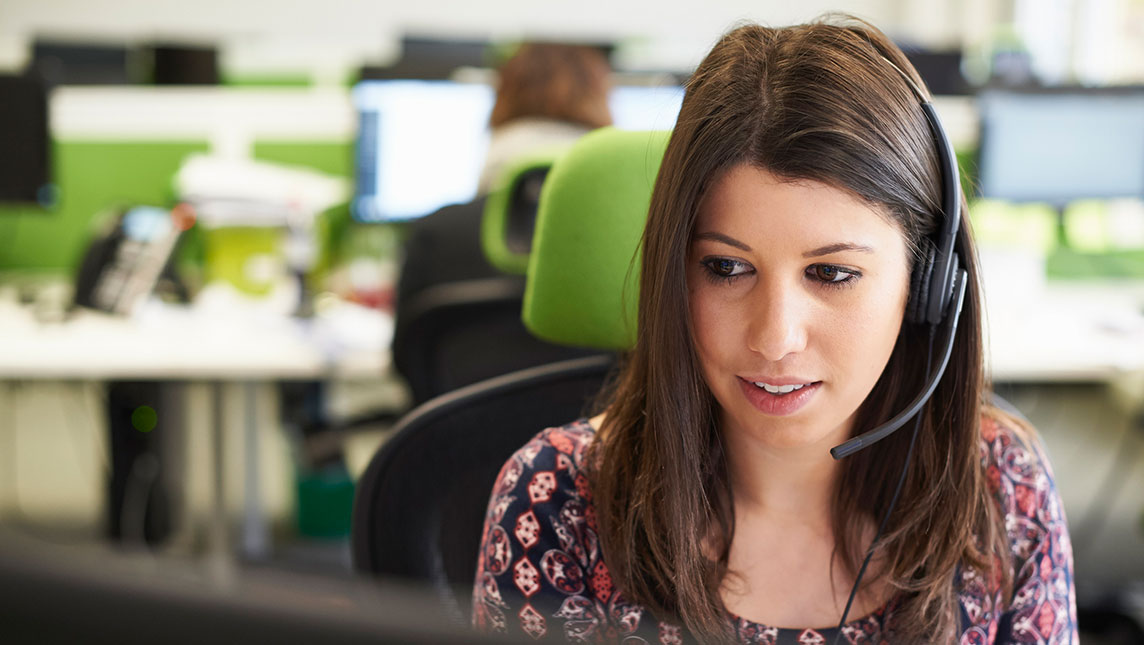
[[554, 81], [812, 102]]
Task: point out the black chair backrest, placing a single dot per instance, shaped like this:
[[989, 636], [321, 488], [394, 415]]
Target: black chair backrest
[[420, 505], [521, 221], [459, 333]]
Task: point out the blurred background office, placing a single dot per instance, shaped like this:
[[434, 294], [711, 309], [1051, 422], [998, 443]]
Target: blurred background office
[[205, 208]]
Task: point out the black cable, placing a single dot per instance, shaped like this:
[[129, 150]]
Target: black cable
[[137, 498], [890, 509]]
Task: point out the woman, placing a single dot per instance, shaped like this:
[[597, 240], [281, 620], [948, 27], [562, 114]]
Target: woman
[[800, 188], [547, 94]]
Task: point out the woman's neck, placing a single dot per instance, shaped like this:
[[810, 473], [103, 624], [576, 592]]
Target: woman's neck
[[784, 530], [786, 483]]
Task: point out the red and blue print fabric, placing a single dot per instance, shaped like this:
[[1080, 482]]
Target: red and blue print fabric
[[540, 571]]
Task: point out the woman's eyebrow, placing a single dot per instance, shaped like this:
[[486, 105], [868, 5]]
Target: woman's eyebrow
[[836, 248], [719, 237]]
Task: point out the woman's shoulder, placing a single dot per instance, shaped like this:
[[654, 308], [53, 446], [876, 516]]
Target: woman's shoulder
[[569, 440], [539, 569], [550, 460], [1012, 444], [1017, 467], [1020, 478]]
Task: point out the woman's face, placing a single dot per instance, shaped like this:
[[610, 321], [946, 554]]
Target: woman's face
[[797, 291]]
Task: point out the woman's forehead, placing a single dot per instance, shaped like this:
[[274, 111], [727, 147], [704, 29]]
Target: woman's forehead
[[747, 201]]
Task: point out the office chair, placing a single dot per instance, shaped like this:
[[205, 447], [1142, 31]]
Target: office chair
[[509, 219], [421, 503], [459, 333], [452, 331], [453, 334]]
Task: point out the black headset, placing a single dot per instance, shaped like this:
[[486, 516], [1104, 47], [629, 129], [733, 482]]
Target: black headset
[[938, 270], [937, 293], [937, 283]]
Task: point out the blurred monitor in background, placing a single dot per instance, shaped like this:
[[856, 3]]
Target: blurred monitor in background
[[52, 593], [184, 65], [428, 59], [25, 142], [67, 62], [1059, 146], [422, 144], [62, 62], [653, 107], [941, 70]]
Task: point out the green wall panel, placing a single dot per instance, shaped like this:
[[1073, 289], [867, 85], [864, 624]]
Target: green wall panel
[[93, 176], [333, 157]]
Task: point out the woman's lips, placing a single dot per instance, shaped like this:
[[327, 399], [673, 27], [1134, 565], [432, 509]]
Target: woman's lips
[[778, 404]]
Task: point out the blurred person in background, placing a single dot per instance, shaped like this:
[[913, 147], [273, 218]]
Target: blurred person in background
[[548, 94]]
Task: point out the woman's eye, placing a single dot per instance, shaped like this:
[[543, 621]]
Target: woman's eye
[[830, 274], [724, 269]]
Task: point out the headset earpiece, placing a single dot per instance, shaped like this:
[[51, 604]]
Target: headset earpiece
[[920, 279]]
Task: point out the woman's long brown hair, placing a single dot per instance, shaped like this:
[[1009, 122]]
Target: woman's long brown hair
[[812, 102]]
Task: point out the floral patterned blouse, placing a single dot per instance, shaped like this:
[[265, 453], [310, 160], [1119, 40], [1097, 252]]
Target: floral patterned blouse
[[540, 571]]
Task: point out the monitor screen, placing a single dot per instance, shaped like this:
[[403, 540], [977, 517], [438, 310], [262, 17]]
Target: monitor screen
[[25, 143], [67, 62], [421, 144], [645, 107], [941, 71], [1057, 146], [80, 593]]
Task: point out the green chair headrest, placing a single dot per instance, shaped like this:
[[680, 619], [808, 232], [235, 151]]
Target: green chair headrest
[[583, 276], [505, 235]]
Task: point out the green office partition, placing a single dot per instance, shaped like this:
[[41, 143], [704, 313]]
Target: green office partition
[[93, 177], [332, 157]]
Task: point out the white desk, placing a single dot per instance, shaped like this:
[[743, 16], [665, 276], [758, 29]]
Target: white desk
[[1070, 333], [172, 344], [1066, 332], [232, 351]]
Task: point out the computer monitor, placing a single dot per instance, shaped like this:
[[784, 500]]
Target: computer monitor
[[88, 594], [421, 144], [78, 62], [429, 58], [652, 107], [25, 142], [941, 70], [1058, 146], [180, 64]]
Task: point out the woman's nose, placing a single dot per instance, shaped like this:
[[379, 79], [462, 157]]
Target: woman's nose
[[777, 321]]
